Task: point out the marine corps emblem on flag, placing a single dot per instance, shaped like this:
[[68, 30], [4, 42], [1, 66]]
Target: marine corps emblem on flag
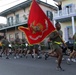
[[36, 28]]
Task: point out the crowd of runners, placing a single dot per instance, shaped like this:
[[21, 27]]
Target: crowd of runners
[[19, 48]]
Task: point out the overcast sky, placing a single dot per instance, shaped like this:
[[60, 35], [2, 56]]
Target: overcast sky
[[5, 4]]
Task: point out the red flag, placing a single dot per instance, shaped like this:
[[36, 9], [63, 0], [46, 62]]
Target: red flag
[[39, 26]]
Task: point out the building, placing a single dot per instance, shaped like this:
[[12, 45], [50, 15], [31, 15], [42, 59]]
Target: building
[[18, 16], [67, 17]]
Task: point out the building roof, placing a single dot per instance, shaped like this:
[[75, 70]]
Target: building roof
[[24, 5]]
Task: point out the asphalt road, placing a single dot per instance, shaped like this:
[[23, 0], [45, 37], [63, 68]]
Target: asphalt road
[[30, 66]]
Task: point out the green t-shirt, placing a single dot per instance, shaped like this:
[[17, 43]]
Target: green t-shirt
[[57, 39]]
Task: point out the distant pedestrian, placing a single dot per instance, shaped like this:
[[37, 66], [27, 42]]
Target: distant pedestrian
[[59, 5]]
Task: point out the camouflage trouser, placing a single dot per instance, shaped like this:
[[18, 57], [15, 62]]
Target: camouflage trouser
[[4, 47], [23, 47], [56, 46], [43, 47], [29, 47]]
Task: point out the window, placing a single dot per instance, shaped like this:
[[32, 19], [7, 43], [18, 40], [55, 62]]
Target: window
[[10, 21], [70, 31], [49, 15], [69, 8], [25, 17], [17, 18]]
